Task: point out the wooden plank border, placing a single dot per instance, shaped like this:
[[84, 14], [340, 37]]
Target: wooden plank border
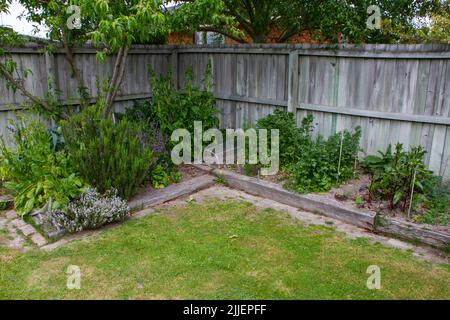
[[311, 203]]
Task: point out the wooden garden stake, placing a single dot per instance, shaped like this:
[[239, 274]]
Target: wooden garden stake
[[340, 155], [412, 194]]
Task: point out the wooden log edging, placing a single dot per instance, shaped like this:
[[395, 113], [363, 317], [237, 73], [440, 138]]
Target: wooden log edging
[[174, 191], [412, 232], [361, 218], [331, 208]]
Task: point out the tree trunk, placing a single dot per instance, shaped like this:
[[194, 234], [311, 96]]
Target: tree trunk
[[116, 81], [82, 90]]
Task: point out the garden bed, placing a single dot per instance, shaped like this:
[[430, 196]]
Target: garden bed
[[326, 204], [193, 180]]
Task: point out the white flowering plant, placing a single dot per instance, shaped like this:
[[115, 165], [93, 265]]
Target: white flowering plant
[[91, 211]]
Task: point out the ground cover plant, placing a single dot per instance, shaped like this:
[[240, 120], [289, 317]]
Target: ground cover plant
[[220, 250], [91, 211]]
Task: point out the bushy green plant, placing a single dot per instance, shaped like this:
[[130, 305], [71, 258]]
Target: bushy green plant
[[35, 171], [160, 178], [436, 199], [179, 109], [168, 110], [108, 153], [91, 211], [393, 174], [292, 138], [324, 163]]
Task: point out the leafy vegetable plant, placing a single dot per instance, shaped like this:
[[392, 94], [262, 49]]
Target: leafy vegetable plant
[[35, 172]]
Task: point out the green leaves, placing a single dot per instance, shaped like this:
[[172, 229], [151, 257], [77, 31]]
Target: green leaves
[[317, 168], [312, 165], [393, 174], [108, 154], [292, 139], [174, 109], [36, 171]]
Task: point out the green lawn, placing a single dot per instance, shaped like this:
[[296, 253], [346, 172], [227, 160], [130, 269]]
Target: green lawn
[[220, 250]]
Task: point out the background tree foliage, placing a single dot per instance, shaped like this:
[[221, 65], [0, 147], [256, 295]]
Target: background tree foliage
[[325, 19], [115, 25]]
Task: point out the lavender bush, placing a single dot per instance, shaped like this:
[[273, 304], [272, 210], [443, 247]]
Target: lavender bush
[[91, 211]]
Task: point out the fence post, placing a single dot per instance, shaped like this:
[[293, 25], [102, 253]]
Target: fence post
[[293, 81], [174, 66]]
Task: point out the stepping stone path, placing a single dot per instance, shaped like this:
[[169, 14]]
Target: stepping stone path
[[19, 234]]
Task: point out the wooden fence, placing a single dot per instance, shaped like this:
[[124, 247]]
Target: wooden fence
[[396, 93]]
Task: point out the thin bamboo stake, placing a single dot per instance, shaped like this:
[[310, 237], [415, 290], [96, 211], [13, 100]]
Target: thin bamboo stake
[[340, 155], [412, 194]]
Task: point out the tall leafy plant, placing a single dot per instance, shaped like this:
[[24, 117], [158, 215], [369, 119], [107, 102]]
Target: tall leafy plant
[[325, 162], [38, 171], [175, 109], [292, 138], [108, 153], [395, 173]]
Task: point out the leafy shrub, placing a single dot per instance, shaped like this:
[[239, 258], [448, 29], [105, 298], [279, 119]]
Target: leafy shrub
[[91, 211], [36, 173], [292, 138], [393, 174], [108, 153], [172, 109], [179, 109], [142, 113], [160, 178], [323, 163], [436, 199]]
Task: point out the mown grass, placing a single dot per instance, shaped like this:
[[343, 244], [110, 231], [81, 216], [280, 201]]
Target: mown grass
[[220, 250]]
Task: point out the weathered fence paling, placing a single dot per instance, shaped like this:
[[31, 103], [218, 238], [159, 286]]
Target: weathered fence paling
[[396, 93]]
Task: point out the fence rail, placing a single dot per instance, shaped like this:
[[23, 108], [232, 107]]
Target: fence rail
[[396, 93]]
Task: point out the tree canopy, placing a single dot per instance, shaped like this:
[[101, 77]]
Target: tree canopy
[[115, 25], [324, 19]]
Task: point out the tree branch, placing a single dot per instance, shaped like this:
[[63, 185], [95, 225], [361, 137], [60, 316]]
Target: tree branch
[[119, 70], [84, 99], [18, 85]]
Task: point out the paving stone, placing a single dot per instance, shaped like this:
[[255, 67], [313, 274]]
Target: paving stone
[[27, 248], [399, 244], [27, 230], [12, 231], [54, 245], [2, 222], [11, 214], [38, 240], [16, 243], [18, 223]]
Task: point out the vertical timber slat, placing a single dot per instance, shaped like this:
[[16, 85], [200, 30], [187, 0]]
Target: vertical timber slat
[[293, 81]]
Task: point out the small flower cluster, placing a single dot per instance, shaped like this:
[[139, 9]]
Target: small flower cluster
[[91, 211]]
